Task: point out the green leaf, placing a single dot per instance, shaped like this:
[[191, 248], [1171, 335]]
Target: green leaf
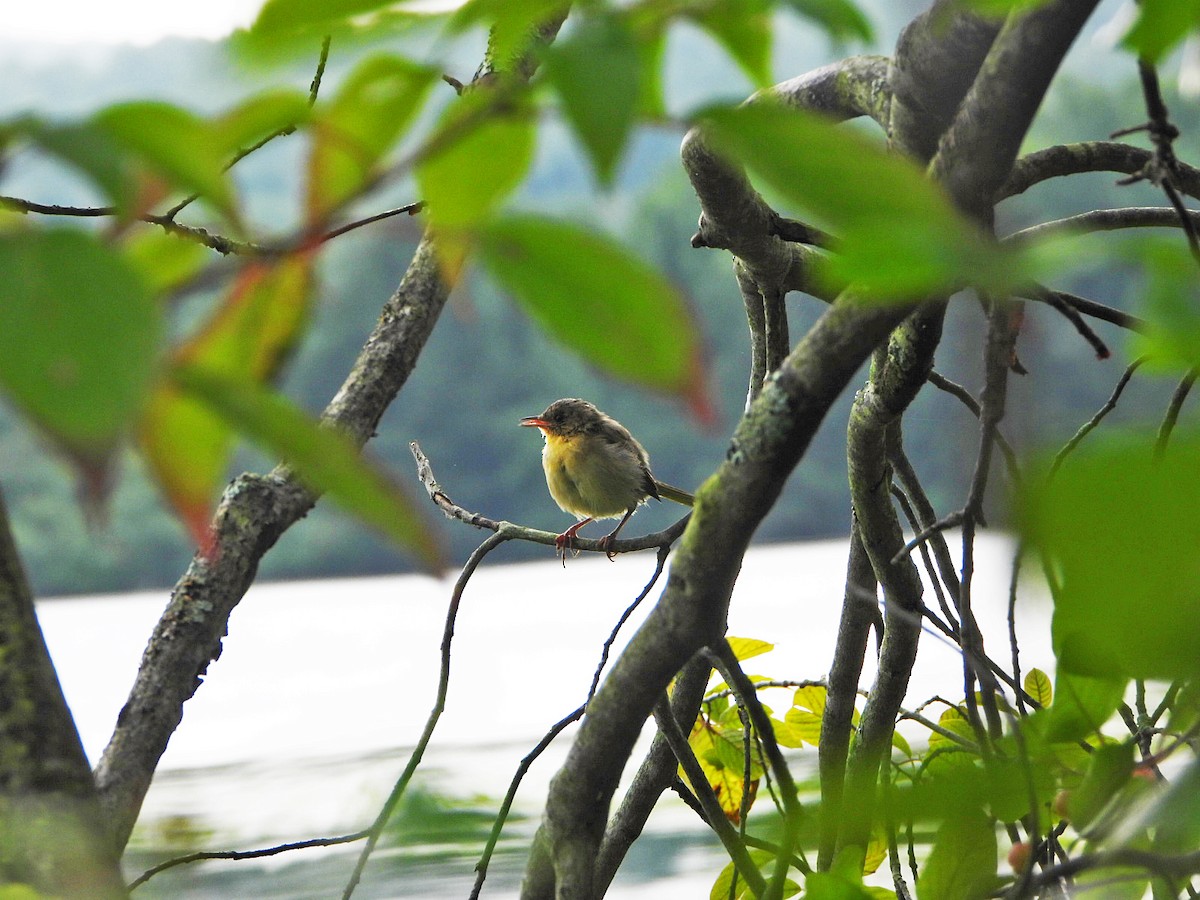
[[1170, 303], [1175, 817], [325, 459], [178, 145], [743, 28], [258, 117], [90, 149], [512, 24], [356, 129], [600, 300], [764, 861], [283, 16], [1082, 704], [832, 886], [1108, 771], [1118, 527], [962, 864], [79, 336], [481, 154], [1160, 25], [596, 71], [1038, 686], [842, 19], [899, 236]]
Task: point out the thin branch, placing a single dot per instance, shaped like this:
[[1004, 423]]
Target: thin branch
[[1072, 315], [245, 854], [1090, 156], [314, 89], [439, 705], [481, 867], [1109, 405], [1172, 415], [1103, 220], [655, 540], [713, 813], [1087, 307]]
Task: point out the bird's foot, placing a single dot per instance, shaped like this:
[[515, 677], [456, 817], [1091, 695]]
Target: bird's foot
[[566, 541]]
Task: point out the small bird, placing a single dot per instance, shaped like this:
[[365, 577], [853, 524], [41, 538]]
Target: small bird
[[595, 469]]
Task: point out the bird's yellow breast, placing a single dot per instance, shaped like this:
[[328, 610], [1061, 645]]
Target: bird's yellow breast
[[588, 476]]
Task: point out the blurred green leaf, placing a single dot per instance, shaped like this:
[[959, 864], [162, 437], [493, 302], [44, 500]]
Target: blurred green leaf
[[596, 70], [962, 864], [616, 311], [1118, 527], [1082, 704], [178, 145], [765, 862], [1108, 771], [355, 130], [186, 444], [258, 117], [481, 155], [842, 19], [1170, 303], [1160, 25], [998, 9], [325, 459], [1175, 817], [898, 234], [164, 261], [91, 150], [79, 336], [511, 24], [833, 886], [743, 28]]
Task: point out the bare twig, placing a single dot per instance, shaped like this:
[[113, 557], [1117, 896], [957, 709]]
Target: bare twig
[[385, 813], [1109, 405], [244, 854], [1172, 415]]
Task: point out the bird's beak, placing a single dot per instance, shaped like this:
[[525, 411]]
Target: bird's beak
[[534, 422]]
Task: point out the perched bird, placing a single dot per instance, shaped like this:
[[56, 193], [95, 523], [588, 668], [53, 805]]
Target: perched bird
[[595, 469]]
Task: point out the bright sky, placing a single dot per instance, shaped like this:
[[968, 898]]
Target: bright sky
[[123, 21]]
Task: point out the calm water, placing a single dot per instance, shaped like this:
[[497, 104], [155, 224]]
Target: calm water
[[306, 720]]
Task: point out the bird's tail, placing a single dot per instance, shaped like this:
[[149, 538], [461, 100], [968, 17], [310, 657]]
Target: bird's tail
[[670, 492]]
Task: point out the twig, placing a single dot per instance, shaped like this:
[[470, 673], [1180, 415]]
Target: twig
[[314, 89], [1172, 415], [389, 806], [942, 383], [481, 867], [1104, 220], [1109, 405], [244, 854], [1089, 308], [512, 532], [713, 813], [1071, 314]]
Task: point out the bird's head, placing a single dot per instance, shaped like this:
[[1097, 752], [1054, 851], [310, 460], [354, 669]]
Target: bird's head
[[566, 418]]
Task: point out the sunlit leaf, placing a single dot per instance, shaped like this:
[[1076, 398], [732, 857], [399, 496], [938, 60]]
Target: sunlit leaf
[[79, 336], [1039, 687], [325, 459], [175, 143], [899, 236], [607, 305], [722, 759], [748, 648], [764, 862], [962, 864], [804, 725], [1118, 528], [354, 131], [833, 886], [186, 444], [1160, 25], [596, 70]]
